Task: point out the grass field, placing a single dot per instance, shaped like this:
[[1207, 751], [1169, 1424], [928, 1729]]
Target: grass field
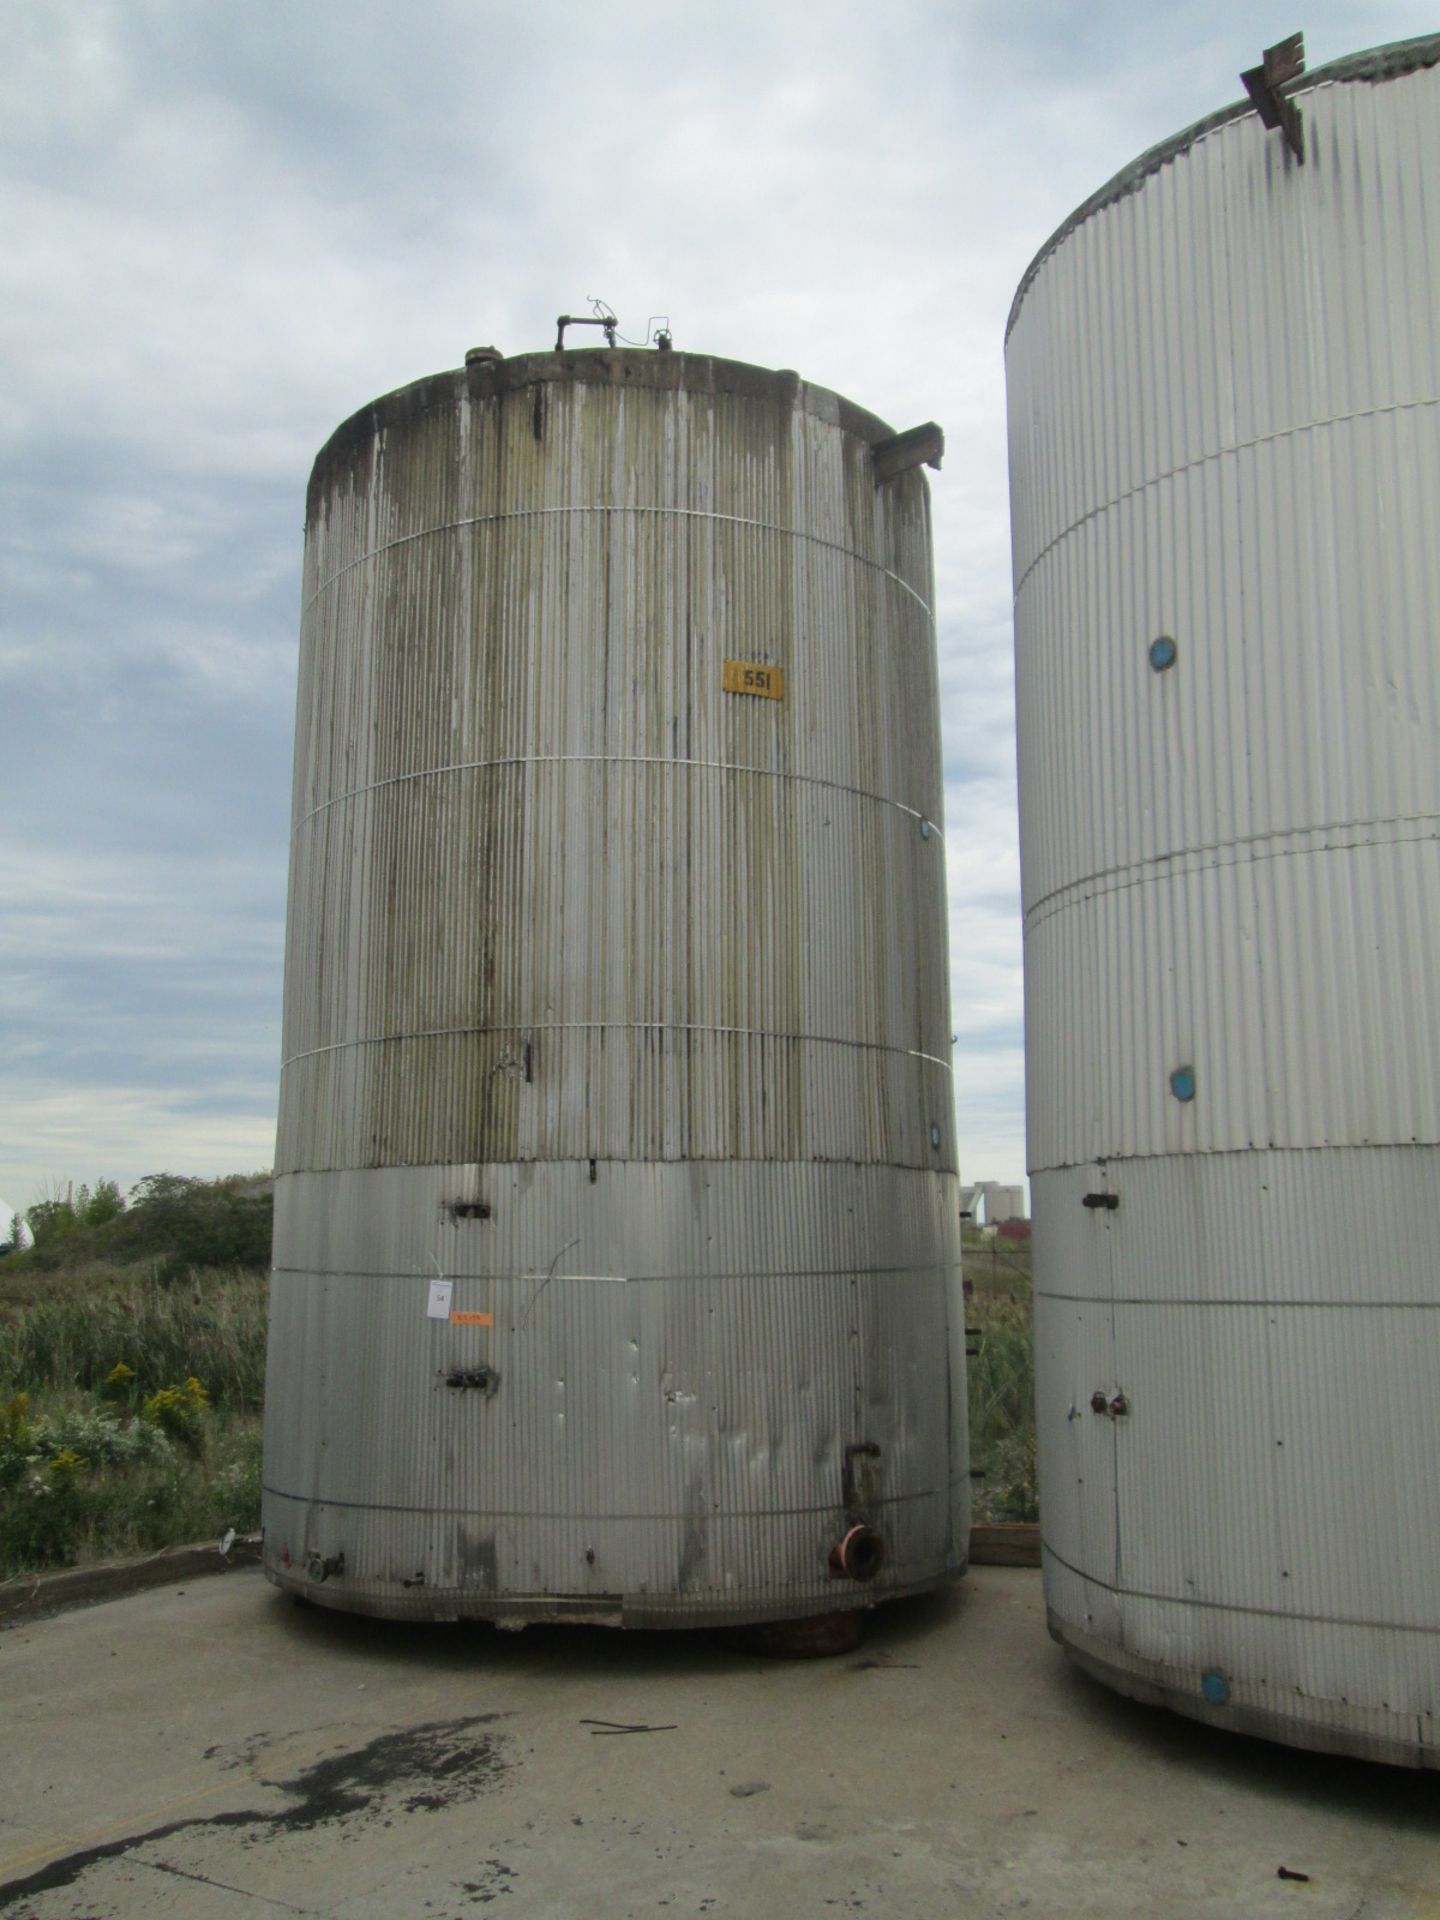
[[106, 1448], [1002, 1379]]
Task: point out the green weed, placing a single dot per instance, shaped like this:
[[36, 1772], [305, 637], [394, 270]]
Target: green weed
[[1002, 1407], [129, 1404], [129, 1335], [179, 1412], [81, 1480]]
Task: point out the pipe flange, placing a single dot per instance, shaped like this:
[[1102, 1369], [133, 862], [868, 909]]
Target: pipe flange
[[857, 1555]]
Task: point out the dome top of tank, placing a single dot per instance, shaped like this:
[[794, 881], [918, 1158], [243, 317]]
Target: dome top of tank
[[488, 374], [1375, 64]]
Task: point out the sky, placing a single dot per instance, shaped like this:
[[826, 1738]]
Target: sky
[[227, 227]]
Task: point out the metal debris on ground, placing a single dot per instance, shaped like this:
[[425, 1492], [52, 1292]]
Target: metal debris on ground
[[603, 1727]]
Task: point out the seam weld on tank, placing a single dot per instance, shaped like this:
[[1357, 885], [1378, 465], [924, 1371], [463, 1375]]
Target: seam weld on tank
[[617, 1243], [1224, 391]]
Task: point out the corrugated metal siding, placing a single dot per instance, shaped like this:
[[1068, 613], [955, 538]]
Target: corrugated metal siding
[[1225, 395], [463, 919], [491, 824], [1291, 982], [1304, 697], [684, 1424], [574, 932]]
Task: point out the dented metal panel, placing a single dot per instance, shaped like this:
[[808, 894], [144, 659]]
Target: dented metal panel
[[616, 1003], [1224, 397]]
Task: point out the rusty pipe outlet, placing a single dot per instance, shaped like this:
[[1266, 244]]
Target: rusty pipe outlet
[[858, 1555]]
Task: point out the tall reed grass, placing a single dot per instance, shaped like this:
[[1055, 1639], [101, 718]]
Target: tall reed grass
[[1002, 1406], [211, 1325]]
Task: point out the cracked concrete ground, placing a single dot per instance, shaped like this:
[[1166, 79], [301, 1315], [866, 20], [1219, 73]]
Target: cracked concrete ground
[[212, 1750]]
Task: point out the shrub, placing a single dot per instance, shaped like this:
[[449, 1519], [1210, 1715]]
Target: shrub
[[190, 1223], [175, 1222], [100, 1435], [54, 1219], [179, 1412], [81, 1482]]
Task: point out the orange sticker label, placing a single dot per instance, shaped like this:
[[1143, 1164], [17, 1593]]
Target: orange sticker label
[[472, 1319]]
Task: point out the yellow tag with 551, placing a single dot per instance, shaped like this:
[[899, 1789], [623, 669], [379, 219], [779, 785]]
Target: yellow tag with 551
[[748, 676]]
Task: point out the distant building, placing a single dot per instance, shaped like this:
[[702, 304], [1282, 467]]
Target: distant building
[[988, 1202]]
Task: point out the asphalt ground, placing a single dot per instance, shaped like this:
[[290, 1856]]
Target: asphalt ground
[[210, 1749]]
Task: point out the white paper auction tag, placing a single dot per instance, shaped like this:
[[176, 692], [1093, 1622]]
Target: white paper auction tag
[[441, 1294]]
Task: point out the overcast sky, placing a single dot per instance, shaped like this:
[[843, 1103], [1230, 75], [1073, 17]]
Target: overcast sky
[[226, 227]]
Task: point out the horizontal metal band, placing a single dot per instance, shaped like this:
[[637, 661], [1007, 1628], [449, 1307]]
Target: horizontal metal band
[[626, 1279], [1248, 1151], [530, 1513], [616, 1026], [1208, 459], [677, 513], [1277, 844], [1285, 1614], [618, 760], [1141, 1300]]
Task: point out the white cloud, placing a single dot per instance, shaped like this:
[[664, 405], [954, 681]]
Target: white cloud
[[155, 907], [51, 1134]]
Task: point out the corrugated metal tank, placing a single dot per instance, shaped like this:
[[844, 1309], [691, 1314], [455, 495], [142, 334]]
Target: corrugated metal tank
[[617, 1262], [1224, 378]]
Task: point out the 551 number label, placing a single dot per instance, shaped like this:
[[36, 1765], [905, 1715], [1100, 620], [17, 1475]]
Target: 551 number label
[[749, 676]]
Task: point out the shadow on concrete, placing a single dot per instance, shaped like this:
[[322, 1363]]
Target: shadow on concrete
[[895, 1635], [898, 1635], [1384, 1796]]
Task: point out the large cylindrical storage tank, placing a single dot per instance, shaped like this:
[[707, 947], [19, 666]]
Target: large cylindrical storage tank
[[1224, 383], [616, 1250]]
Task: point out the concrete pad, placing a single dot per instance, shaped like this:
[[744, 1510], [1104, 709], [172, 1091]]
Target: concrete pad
[[218, 1751]]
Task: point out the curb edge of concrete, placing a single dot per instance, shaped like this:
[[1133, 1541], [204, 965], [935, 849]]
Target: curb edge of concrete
[[1005, 1543], [32, 1596]]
